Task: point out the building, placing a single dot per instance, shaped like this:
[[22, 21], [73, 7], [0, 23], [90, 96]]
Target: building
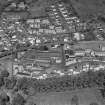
[[21, 75], [80, 53], [100, 53]]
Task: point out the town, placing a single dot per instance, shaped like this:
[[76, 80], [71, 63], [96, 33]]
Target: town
[[57, 44], [50, 54]]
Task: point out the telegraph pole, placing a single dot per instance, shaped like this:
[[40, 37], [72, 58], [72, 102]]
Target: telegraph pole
[[12, 60]]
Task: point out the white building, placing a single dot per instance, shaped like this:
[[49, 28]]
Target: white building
[[79, 53], [30, 21], [77, 36], [17, 68], [100, 53]]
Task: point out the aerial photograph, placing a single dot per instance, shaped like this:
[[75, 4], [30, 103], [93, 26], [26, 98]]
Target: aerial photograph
[[52, 52]]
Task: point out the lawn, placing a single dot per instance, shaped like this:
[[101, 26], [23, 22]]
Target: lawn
[[86, 96]]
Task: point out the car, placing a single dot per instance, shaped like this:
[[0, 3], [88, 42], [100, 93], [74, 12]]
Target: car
[[64, 12], [57, 16], [55, 13], [54, 10], [67, 18], [62, 8], [55, 46], [76, 72], [52, 6], [60, 5]]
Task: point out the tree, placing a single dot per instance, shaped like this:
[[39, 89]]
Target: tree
[[18, 100], [1, 81], [10, 82], [25, 85], [4, 98], [4, 73], [22, 83], [93, 103]]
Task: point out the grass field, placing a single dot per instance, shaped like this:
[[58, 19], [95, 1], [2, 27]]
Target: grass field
[[86, 96]]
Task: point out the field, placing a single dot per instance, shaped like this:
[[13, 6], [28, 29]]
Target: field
[[86, 96]]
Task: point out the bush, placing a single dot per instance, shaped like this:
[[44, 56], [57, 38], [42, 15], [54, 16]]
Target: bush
[[10, 82], [1, 81], [22, 83], [93, 103], [4, 73], [4, 99], [18, 100]]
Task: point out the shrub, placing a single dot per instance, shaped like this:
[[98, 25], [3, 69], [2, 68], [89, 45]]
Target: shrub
[[18, 100], [4, 73]]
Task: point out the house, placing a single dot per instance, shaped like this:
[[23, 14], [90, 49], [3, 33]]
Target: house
[[30, 21], [62, 9], [35, 74], [59, 31], [60, 5], [36, 25], [30, 31], [88, 50], [41, 30], [37, 20], [66, 47], [65, 15], [13, 17], [33, 31], [54, 10], [46, 31], [63, 12], [69, 62], [55, 13], [52, 6], [38, 41], [72, 28], [21, 5], [77, 36], [21, 74], [17, 68], [45, 21], [13, 5], [51, 26], [102, 48], [80, 53]]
